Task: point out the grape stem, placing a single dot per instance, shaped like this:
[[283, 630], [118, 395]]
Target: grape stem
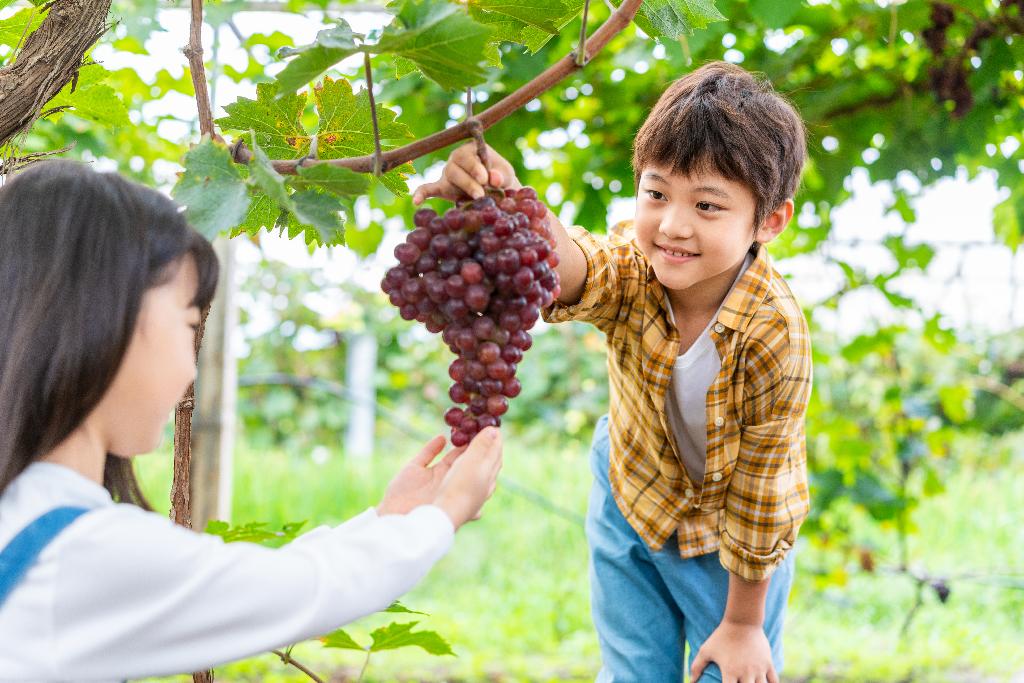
[[377, 166], [543, 82], [581, 50]]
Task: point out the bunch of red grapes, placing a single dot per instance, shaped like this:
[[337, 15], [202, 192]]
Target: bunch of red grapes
[[480, 275]]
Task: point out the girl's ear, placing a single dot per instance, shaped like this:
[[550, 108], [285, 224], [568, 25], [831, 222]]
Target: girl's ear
[[775, 222]]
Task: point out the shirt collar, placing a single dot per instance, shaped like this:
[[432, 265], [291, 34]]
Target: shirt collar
[[748, 294]]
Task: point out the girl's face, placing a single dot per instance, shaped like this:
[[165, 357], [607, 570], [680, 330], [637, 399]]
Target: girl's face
[[157, 368]]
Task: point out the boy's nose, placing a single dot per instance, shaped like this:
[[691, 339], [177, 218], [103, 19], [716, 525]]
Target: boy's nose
[[676, 227]]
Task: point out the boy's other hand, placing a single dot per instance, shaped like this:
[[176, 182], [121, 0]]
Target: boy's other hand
[[741, 651], [464, 176]]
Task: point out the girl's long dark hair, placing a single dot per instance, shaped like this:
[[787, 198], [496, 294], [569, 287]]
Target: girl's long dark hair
[[78, 250]]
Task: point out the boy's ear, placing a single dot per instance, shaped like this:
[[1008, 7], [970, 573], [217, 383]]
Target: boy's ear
[[775, 222]]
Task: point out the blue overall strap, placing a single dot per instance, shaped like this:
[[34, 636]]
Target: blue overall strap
[[23, 550]]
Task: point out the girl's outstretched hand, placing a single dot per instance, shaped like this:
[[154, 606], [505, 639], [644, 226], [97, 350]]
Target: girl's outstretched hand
[[418, 482], [459, 483]]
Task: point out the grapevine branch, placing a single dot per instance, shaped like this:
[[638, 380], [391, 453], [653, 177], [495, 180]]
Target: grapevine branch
[[286, 657], [619, 19], [194, 52], [181, 504]]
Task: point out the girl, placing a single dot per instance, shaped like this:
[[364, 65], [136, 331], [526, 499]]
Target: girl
[[101, 286]]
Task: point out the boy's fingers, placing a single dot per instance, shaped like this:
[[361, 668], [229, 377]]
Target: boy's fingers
[[497, 179], [772, 676], [458, 177]]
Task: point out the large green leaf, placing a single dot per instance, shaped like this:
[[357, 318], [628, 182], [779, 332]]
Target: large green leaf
[[395, 635], [330, 47], [211, 189], [675, 18], [276, 121], [547, 15], [346, 128], [441, 39]]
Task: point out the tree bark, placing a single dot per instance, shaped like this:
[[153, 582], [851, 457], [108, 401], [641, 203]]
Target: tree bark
[[48, 60]]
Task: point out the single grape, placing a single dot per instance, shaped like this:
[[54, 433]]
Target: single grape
[[422, 217], [407, 253]]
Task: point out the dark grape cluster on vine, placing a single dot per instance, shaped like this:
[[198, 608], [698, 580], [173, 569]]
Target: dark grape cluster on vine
[[480, 275]]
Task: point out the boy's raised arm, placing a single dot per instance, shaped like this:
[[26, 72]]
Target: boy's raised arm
[[464, 177]]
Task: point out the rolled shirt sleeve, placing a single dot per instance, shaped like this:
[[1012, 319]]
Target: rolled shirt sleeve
[[767, 499]]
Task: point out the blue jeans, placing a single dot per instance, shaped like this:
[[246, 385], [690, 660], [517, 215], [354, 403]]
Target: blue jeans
[[647, 604]]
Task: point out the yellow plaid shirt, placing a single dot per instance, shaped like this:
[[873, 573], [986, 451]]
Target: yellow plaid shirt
[[754, 494]]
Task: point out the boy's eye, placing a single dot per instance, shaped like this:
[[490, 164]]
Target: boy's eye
[[708, 206], [654, 194]]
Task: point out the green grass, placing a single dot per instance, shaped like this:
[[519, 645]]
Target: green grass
[[512, 596]]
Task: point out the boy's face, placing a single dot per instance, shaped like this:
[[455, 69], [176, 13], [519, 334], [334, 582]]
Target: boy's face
[[699, 227]]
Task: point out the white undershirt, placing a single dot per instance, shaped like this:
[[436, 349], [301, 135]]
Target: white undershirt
[[686, 402], [124, 593]]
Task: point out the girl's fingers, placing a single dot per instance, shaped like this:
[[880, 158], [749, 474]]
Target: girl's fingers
[[429, 451], [452, 456]]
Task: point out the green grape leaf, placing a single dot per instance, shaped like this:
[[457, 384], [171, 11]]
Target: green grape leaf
[[444, 42], [396, 635], [263, 215], [336, 179], [331, 46], [398, 608], [346, 128], [674, 18], [91, 99], [276, 121], [342, 640], [319, 214], [547, 15], [211, 189]]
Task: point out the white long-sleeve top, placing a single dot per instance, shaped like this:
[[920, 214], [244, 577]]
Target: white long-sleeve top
[[124, 593]]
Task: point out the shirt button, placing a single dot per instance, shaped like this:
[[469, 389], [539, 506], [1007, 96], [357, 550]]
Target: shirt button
[[689, 493], [717, 476], [719, 421], [719, 328]]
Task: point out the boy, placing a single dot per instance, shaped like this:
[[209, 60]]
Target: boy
[[700, 481]]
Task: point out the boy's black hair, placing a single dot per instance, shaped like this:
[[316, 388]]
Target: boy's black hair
[[78, 250], [722, 118]]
